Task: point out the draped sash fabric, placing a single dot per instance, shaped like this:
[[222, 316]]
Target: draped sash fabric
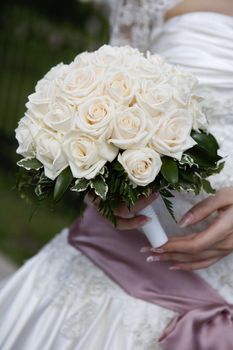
[[205, 320]]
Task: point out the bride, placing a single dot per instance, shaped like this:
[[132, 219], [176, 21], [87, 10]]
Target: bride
[[91, 288]]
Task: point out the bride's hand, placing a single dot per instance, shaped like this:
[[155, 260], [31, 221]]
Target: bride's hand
[[200, 250], [128, 220]]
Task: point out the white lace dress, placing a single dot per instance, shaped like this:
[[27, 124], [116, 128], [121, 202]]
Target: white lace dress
[[59, 300]]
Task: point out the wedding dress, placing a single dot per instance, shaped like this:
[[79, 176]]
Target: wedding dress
[[59, 299]]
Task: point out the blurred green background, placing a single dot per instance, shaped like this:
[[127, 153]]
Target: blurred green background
[[35, 35]]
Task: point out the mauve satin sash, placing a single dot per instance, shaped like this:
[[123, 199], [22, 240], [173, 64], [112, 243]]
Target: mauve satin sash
[[205, 320]]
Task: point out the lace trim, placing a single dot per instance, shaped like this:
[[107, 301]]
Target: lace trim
[[138, 22]]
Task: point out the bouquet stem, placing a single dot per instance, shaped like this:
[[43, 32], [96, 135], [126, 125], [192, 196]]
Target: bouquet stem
[[153, 229]]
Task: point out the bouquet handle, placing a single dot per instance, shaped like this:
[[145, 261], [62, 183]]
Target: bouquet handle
[[153, 229]]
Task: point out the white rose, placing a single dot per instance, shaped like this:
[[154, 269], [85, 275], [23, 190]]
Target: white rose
[[120, 87], [82, 60], [86, 155], [49, 152], [142, 165], [81, 83], [61, 116], [39, 101], [127, 50], [35, 117], [188, 79], [25, 134], [87, 60], [145, 70], [56, 74], [182, 94], [47, 90], [154, 99], [183, 84], [199, 118], [131, 127], [95, 116], [172, 135], [130, 56], [108, 56], [155, 59]]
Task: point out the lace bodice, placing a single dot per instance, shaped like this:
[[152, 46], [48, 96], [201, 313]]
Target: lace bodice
[[137, 22]]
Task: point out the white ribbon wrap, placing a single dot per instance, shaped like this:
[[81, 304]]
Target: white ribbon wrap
[[153, 229]]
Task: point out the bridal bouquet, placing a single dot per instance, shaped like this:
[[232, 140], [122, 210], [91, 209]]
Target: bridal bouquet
[[119, 124]]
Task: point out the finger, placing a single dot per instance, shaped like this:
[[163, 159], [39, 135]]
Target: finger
[[124, 212], [209, 205], [133, 223], [225, 245], [146, 249], [204, 240], [195, 265], [92, 199], [179, 257]]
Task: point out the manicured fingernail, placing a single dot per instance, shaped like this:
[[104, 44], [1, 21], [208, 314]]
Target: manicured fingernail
[[152, 258], [186, 220], [145, 249], [173, 268]]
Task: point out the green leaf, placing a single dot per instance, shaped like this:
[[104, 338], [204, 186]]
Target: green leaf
[[187, 159], [44, 187], [42, 192], [38, 190], [146, 191], [100, 186], [132, 195], [169, 206], [118, 167], [80, 204], [122, 188], [107, 210], [34, 186], [30, 163], [219, 167], [80, 185], [189, 176], [169, 170], [62, 183], [200, 157], [165, 193], [104, 171], [190, 180], [207, 186], [206, 142]]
